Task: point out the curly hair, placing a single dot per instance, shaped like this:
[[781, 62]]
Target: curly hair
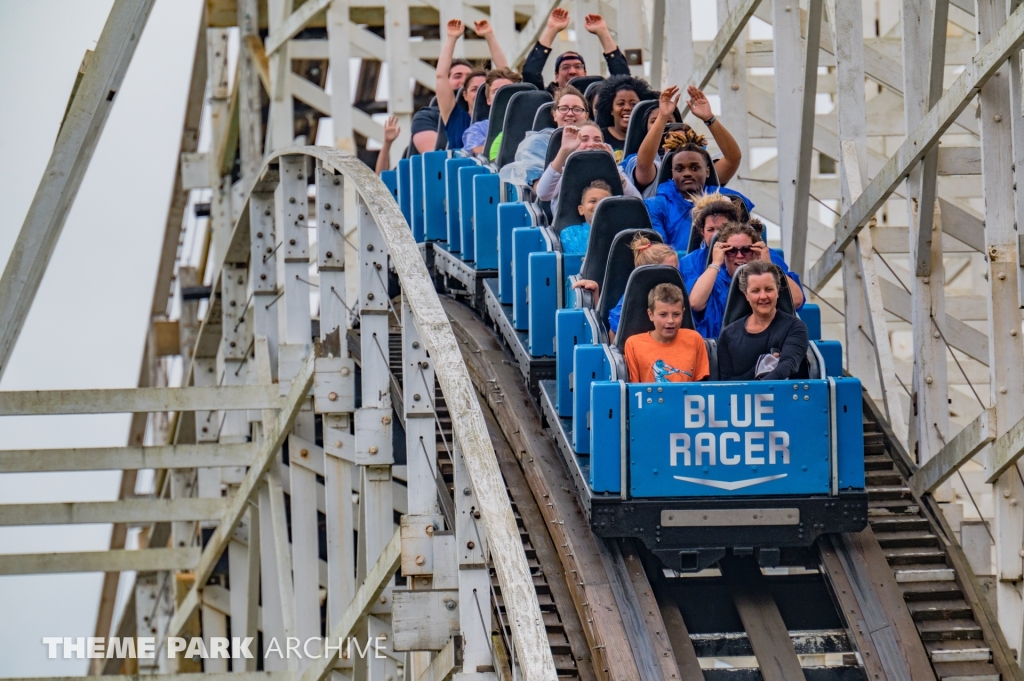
[[612, 87], [714, 203]]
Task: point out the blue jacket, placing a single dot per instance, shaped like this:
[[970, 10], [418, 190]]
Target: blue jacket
[[671, 213], [709, 320]]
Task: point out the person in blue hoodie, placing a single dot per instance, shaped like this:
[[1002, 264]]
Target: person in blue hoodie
[[710, 212], [672, 207], [735, 246]]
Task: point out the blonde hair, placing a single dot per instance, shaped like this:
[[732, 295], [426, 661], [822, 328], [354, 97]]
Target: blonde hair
[[647, 253]]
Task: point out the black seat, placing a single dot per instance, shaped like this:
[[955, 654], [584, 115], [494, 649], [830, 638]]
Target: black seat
[[637, 129], [613, 215], [737, 307], [665, 172], [442, 135], [498, 108], [554, 144], [481, 109], [592, 90], [522, 108], [634, 317], [618, 268], [582, 83], [544, 118], [582, 168]]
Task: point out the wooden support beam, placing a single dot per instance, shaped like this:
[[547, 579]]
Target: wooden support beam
[[958, 451], [127, 458], [769, 637], [961, 336], [990, 57], [727, 35], [206, 676], [142, 560], [295, 22], [446, 663], [130, 511], [377, 578], [86, 116], [274, 436], [1005, 452], [137, 400]]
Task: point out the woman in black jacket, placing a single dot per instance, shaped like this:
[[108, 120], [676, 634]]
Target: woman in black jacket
[[767, 345]]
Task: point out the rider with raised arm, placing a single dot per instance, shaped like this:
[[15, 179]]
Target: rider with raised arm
[[456, 119], [570, 65], [644, 171]]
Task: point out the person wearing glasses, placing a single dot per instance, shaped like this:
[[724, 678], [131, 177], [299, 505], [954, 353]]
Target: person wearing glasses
[[570, 65], [735, 246], [569, 108]]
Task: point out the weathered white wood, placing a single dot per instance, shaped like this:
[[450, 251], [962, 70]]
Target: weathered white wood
[[76, 140], [425, 620], [930, 425], [732, 84], [961, 336], [294, 23], [531, 31], [281, 127], [206, 676], [959, 161], [338, 30], [125, 458], [123, 511], [990, 57], [195, 170], [961, 449], [145, 560], [376, 580], [1005, 451], [250, 104], [396, 19], [790, 106], [275, 567], [727, 35], [134, 400], [1006, 385], [273, 439]]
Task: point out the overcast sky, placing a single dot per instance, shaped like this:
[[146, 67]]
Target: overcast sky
[[88, 322]]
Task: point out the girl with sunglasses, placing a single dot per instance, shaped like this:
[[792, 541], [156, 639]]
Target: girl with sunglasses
[[735, 246]]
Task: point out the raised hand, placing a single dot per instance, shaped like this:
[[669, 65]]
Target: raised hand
[[668, 100], [391, 129], [698, 103], [718, 254], [570, 138], [482, 28], [558, 20], [594, 23], [455, 28], [761, 251]]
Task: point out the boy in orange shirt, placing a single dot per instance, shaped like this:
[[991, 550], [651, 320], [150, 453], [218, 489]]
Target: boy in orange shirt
[[669, 353]]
